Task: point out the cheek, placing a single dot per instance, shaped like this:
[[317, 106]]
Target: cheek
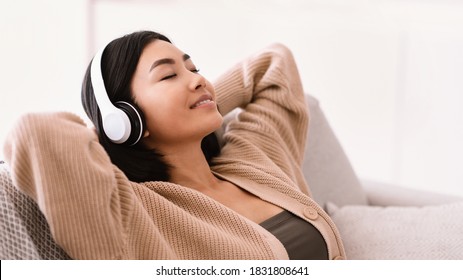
[[159, 113], [163, 116]]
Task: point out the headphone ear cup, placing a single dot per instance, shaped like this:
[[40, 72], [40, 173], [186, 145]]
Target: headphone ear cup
[[137, 121]]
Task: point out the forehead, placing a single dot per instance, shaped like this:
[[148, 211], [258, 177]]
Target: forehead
[[159, 49]]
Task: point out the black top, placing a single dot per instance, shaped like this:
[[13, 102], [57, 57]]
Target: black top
[[300, 238]]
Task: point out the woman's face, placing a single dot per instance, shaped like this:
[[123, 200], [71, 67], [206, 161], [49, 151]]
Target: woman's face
[[178, 103]]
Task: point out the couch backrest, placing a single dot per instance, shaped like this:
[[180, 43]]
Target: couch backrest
[[327, 170]]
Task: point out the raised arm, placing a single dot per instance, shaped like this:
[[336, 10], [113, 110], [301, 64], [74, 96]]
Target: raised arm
[[275, 117], [58, 161]]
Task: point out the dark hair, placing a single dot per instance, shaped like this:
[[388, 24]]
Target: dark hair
[[118, 64]]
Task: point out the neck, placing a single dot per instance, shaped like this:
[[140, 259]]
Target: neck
[[190, 167]]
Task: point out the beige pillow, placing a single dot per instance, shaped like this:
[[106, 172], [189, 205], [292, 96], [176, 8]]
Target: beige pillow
[[412, 233]]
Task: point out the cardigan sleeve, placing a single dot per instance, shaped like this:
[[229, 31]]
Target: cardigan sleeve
[[56, 160], [268, 88]]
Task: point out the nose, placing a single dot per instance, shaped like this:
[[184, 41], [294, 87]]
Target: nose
[[197, 82]]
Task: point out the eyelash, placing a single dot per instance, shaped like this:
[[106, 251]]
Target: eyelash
[[174, 75], [168, 77]]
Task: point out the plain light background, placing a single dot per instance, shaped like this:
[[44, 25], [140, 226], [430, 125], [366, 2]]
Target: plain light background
[[388, 73]]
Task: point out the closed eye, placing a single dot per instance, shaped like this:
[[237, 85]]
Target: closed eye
[[174, 75], [169, 77]]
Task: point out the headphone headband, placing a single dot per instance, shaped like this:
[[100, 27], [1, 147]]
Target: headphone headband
[[99, 88]]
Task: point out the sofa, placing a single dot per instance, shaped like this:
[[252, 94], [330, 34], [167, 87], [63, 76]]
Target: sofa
[[375, 220]]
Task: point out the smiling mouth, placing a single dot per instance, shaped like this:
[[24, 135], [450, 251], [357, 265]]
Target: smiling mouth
[[203, 101]]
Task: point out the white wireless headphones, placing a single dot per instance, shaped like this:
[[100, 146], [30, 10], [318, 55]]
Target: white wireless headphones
[[122, 121]]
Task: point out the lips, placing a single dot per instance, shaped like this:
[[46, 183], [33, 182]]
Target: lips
[[204, 99]]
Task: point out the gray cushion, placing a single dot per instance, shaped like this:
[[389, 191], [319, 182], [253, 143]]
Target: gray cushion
[[327, 170], [24, 232]]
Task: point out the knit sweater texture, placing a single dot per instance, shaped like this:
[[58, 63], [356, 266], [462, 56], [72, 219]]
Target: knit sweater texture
[[95, 212]]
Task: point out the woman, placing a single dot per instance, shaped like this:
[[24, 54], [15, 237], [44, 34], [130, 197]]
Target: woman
[[169, 191]]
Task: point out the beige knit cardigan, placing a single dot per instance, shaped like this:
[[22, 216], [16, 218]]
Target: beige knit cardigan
[[95, 212]]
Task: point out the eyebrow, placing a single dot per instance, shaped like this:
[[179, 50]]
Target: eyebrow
[[167, 61]]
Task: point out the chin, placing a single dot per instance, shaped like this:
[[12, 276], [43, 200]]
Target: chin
[[215, 123]]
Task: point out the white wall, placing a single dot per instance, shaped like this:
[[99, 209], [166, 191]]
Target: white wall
[[42, 57], [387, 73]]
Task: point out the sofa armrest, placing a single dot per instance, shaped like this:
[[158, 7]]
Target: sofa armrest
[[383, 194]]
